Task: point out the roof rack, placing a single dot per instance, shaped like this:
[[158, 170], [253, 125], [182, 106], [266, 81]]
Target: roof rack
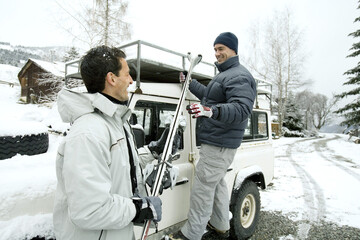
[[143, 67], [141, 57]]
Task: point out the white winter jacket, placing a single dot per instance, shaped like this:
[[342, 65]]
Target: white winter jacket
[[93, 196]]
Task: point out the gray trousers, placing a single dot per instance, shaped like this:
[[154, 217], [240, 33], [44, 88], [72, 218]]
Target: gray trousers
[[209, 198]]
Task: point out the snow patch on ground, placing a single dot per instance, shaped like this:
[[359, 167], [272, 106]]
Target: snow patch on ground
[[331, 182], [27, 227]]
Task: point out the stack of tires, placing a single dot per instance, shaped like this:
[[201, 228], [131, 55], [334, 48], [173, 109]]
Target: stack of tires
[[28, 144]]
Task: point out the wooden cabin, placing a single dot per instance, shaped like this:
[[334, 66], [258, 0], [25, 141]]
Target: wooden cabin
[[40, 80], [275, 129]]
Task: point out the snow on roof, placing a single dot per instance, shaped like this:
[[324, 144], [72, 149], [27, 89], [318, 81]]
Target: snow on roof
[[56, 68]]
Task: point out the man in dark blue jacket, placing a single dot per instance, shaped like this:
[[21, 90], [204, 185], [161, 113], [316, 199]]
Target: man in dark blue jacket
[[226, 103]]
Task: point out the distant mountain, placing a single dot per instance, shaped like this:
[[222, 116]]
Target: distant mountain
[[333, 126], [18, 55]]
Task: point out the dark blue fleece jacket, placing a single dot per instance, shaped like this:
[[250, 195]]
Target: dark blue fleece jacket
[[231, 95]]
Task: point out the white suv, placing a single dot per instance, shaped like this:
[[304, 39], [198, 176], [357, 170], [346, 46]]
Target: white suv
[[155, 98]]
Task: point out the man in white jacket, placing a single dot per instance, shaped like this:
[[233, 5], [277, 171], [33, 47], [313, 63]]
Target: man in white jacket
[[100, 194]]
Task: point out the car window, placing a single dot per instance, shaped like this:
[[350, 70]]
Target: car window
[[257, 127], [154, 117]]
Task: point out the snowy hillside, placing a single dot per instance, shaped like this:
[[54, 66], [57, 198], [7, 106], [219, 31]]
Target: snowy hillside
[[8, 74], [18, 55]]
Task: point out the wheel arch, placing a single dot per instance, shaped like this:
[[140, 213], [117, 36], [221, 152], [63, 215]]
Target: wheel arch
[[252, 173]]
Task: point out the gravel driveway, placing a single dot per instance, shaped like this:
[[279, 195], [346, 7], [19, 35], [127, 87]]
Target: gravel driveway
[[273, 225]]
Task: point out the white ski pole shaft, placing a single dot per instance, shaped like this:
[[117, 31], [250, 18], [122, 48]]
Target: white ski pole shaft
[[170, 138]]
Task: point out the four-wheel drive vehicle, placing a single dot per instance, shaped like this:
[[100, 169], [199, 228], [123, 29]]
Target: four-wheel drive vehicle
[[155, 98]]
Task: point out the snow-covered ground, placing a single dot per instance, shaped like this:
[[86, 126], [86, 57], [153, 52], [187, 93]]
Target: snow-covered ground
[[27, 182], [9, 73], [315, 179]]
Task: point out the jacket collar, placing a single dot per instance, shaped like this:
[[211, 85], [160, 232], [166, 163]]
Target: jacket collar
[[229, 63], [121, 111], [114, 100], [73, 104]]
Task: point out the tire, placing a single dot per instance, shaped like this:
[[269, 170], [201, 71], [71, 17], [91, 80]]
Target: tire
[[25, 145], [41, 238], [245, 207]]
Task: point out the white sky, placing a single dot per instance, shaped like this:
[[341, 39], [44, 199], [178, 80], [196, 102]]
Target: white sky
[[189, 25]]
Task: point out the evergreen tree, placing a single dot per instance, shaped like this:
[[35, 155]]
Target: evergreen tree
[[351, 111], [71, 54], [293, 119]]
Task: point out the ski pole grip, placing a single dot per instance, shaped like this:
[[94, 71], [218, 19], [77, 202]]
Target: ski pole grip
[[198, 59]]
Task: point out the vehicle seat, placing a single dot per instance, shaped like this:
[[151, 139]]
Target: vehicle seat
[[138, 131]]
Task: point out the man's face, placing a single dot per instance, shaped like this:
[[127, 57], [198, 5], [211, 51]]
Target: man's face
[[123, 81], [222, 52]]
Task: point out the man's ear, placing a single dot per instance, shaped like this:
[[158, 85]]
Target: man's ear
[[110, 78]]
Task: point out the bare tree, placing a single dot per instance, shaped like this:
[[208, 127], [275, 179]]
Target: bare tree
[[277, 56], [304, 100], [321, 109], [99, 23], [255, 59], [109, 23], [317, 108]]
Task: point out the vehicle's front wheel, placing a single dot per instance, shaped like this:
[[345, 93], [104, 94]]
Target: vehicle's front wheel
[[245, 207]]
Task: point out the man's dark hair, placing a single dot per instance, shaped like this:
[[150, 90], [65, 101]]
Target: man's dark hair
[[97, 63]]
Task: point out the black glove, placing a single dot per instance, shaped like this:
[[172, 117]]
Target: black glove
[[169, 177], [158, 146], [147, 208]]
